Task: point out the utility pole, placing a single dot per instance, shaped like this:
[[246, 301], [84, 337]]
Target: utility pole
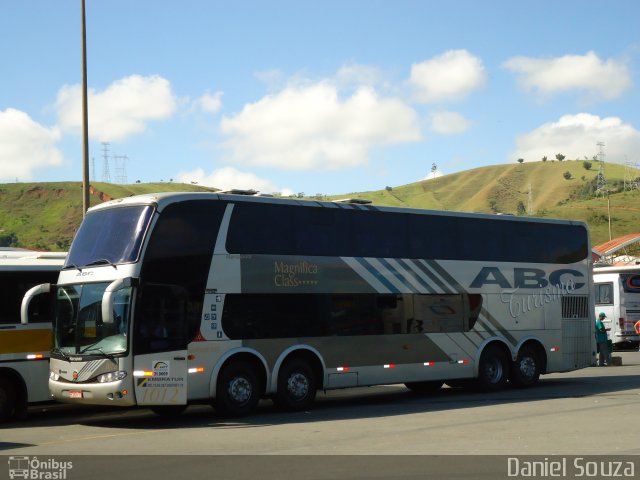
[[85, 121]]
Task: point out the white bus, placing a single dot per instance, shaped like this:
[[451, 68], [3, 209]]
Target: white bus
[[170, 299], [617, 294], [24, 347]]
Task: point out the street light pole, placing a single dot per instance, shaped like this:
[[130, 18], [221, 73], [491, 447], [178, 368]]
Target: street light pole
[[85, 122]]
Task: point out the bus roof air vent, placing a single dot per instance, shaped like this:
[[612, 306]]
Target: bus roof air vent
[[237, 191], [357, 201]]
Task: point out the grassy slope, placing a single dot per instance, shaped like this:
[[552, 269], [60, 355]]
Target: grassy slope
[[46, 215]]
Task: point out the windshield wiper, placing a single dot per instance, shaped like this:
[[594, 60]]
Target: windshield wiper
[[72, 265], [102, 261], [59, 350], [89, 350]]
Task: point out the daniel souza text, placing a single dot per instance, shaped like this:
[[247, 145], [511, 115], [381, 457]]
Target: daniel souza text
[[578, 467]]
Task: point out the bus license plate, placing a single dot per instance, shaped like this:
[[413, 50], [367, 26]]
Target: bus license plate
[[75, 393]]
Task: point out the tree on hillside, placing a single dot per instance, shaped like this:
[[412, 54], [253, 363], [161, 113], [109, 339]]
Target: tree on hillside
[[567, 175], [560, 157], [586, 165], [544, 159], [8, 239], [521, 160], [521, 208]]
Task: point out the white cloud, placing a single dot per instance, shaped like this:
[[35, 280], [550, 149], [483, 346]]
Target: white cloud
[[448, 77], [121, 110], [25, 145], [448, 123], [354, 74], [310, 127], [600, 78], [227, 178], [210, 103], [576, 136]]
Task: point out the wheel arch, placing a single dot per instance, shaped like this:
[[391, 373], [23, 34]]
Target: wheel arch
[[306, 352], [241, 354], [497, 342], [538, 347]]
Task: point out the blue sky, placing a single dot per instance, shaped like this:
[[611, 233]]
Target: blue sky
[[323, 97]]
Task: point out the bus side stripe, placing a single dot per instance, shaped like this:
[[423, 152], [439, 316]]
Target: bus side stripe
[[408, 274], [466, 345], [448, 278], [499, 327], [382, 278], [365, 274], [418, 275], [401, 277], [425, 268]]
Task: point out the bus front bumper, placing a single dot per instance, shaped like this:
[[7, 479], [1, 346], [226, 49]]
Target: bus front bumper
[[118, 393]]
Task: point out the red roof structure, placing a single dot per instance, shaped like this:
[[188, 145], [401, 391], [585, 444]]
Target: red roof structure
[[624, 249]]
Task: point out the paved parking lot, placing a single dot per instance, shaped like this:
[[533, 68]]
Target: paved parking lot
[[593, 411]]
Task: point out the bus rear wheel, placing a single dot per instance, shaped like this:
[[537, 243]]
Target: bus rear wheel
[[238, 389], [424, 387], [296, 386], [526, 369], [7, 399], [493, 371]]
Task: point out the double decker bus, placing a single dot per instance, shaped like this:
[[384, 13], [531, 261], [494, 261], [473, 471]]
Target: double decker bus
[[176, 298], [24, 346]]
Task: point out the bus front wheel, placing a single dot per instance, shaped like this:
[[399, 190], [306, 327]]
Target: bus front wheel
[[238, 389], [526, 369], [296, 386], [493, 371]]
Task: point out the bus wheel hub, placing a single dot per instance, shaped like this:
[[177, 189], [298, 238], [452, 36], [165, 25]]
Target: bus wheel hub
[[298, 385], [240, 389]]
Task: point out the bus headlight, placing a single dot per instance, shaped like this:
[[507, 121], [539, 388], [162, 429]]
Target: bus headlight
[[53, 376], [111, 377]]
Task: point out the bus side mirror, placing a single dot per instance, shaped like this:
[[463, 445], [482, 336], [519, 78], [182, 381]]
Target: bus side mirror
[[28, 296], [107, 298]]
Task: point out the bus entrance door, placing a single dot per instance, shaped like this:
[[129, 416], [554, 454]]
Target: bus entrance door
[[161, 378], [160, 348]]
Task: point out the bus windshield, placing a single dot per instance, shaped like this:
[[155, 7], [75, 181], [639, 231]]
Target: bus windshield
[[78, 325], [110, 236]]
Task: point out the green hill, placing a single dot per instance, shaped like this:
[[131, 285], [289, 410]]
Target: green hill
[[46, 215]]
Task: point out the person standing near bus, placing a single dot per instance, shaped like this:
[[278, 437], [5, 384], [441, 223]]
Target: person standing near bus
[[637, 327], [603, 341]]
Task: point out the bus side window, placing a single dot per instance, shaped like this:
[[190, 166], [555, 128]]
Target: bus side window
[[604, 293]]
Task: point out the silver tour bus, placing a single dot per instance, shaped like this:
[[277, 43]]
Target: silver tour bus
[[177, 298]]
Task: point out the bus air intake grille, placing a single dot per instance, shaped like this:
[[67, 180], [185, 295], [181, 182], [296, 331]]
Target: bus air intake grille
[[575, 306]]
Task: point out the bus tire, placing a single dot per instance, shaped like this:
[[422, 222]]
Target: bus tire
[[493, 370], [424, 387], [7, 399], [296, 386], [168, 410], [525, 370], [238, 389]]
